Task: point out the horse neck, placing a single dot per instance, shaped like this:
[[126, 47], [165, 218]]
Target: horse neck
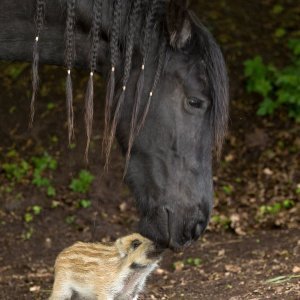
[[18, 30]]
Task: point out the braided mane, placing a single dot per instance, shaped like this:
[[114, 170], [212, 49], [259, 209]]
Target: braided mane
[[135, 21], [144, 29]]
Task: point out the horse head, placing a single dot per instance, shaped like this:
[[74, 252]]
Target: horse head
[[167, 95]]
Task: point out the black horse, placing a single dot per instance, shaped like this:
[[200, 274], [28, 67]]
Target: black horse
[[167, 95]]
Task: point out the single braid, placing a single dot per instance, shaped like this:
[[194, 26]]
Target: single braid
[[89, 96], [134, 22], [69, 60], [151, 19], [114, 55], [40, 19], [159, 70]]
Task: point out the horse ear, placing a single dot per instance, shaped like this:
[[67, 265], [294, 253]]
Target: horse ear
[[178, 22]]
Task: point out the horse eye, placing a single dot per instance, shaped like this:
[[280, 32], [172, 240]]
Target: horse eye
[[195, 102], [135, 244]]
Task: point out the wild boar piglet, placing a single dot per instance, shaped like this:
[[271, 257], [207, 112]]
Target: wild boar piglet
[[115, 271]]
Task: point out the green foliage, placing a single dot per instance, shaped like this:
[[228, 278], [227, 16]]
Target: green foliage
[[275, 208], [82, 183], [227, 189], [278, 87], [42, 164], [287, 203], [31, 212], [191, 261], [194, 261], [14, 71], [16, 171], [51, 106], [280, 32], [277, 9], [221, 220], [39, 168], [70, 219], [36, 210], [28, 217], [26, 235], [84, 203]]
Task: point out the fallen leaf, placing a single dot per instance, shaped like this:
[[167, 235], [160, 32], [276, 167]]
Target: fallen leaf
[[232, 268], [267, 171], [296, 269], [35, 288], [178, 265], [123, 206]]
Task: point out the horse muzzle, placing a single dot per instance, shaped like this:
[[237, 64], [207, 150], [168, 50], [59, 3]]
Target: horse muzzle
[[174, 228]]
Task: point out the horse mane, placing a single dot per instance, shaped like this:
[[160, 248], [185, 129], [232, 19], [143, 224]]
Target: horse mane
[[151, 9], [218, 80], [154, 12]]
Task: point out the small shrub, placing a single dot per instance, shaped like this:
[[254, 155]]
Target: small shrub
[[221, 220], [275, 208], [194, 261], [70, 220], [83, 183], [278, 87], [28, 217], [227, 189], [16, 171], [84, 203], [43, 164], [36, 210]]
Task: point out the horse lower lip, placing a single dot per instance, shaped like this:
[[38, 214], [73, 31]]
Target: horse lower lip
[[176, 248], [198, 231]]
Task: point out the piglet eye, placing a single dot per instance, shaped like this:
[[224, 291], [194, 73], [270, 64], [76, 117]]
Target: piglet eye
[[135, 244], [195, 102]]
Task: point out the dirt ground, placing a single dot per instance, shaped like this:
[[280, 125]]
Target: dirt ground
[[246, 253]]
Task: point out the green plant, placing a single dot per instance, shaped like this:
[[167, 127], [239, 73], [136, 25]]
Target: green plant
[[221, 220], [275, 208], [16, 171], [31, 212], [43, 164], [84, 203], [278, 87], [227, 189], [36, 209], [180, 264], [82, 183], [28, 217], [51, 106], [26, 235], [70, 219], [287, 203], [15, 70], [194, 261]]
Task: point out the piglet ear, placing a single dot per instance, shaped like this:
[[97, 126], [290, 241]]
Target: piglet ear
[[121, 247], [179, 25]]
